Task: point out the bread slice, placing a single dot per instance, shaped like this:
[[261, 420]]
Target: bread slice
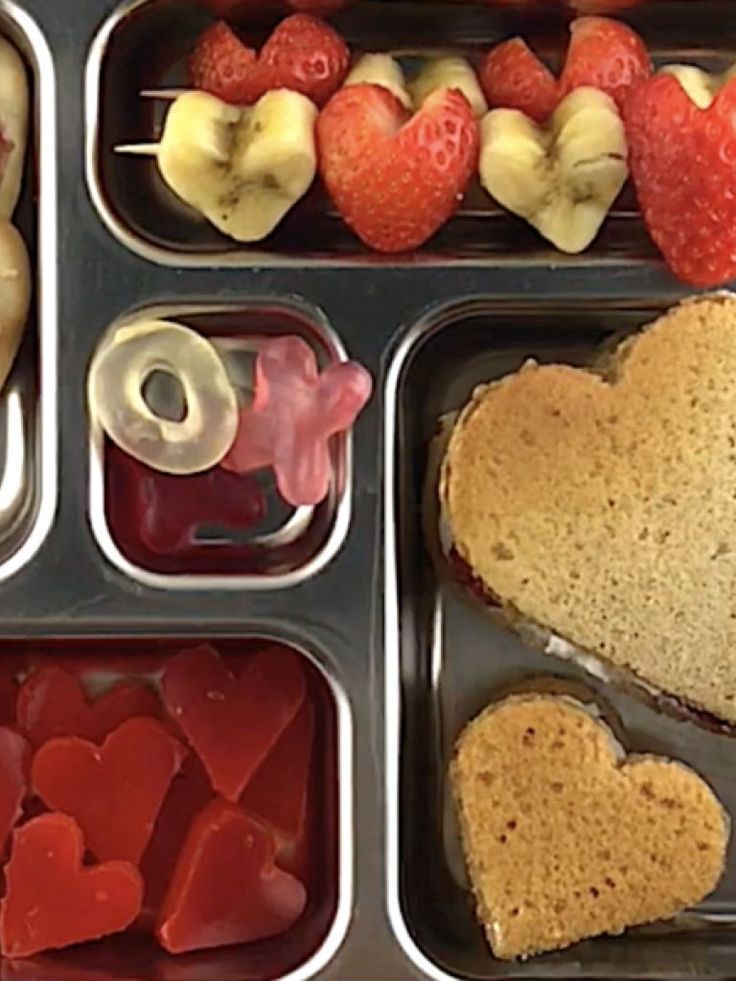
[[601, 505], [566, 838]]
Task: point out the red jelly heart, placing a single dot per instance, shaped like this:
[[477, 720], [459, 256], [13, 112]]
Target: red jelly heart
[[115, 792], [15, 765], [233, 723], [53, 901], [279, 791], [52, 702], [189, 794], [8, 699], [226, 888], [296, 410]]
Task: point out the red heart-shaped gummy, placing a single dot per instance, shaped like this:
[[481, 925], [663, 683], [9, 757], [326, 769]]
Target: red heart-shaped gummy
[[279, 792], [189, 794], [52, 703], [226, 888], [115, 792], [52, 901], [15, 765], [233, 723]]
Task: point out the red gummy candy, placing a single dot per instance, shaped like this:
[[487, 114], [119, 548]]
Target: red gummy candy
[[233, 723], [52, 703], [15, 765], [226, 888], [115, 792], [169, 510], [295, 412], [279, 792], [189, 794], [53, 901]]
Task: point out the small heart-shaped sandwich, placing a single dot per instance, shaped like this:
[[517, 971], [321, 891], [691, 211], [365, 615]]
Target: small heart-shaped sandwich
[[567, 838], [601, 505]]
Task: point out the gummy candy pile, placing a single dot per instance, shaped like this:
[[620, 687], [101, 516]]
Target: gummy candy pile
[[181, 809], [286, 423]]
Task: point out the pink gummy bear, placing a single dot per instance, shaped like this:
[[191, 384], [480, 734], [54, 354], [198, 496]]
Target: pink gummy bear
[[294, 413]]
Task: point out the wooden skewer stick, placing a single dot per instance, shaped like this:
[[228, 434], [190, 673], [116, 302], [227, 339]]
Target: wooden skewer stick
[[138, 149], [168, 94]]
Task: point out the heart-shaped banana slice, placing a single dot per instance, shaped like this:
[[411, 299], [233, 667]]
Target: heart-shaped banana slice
[[242, 168], [702, 87], [562, 178]]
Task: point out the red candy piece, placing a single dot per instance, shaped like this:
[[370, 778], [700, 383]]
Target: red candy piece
[[189, 794], [52, 703], [170, 510], [295, 412], [8, 699], [114, 792], [279, 791], [233, 723], [302, 54], [226, 888], [15, 765], [53, 901]]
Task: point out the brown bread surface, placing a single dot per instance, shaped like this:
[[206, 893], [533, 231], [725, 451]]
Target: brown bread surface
[[603, 507], [565, 838]]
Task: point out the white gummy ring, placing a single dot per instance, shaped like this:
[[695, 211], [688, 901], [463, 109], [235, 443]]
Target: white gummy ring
[[118, 373]]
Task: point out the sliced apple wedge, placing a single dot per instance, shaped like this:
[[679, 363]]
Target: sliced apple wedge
[[562, 178], [15, 295]]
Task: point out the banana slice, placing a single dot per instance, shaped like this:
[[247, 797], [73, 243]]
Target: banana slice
[[381, 69], [564, 177], [702, 87], [449, 73], [15, 295], [119, 371], [13, 126], [242, 168]]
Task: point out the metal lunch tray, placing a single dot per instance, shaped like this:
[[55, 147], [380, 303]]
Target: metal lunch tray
[[408, 659]]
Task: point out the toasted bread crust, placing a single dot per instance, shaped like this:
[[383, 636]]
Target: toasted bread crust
[[565, 838], [603, 506]]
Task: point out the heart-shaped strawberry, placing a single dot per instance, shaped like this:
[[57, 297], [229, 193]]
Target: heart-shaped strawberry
[[226, 888], [52, 702], [53, 901], [15, 766], [396, 178], [233, 723], [565, 840], [115, 792], [603, 54], [303, 54], [683, 163]]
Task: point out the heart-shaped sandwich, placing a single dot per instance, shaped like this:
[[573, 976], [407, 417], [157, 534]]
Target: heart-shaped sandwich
[[566, 838], [601, 505]]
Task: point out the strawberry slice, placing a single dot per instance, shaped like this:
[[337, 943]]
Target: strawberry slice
[[603, 54], [394, 178], [303, 54], [683, 163]]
